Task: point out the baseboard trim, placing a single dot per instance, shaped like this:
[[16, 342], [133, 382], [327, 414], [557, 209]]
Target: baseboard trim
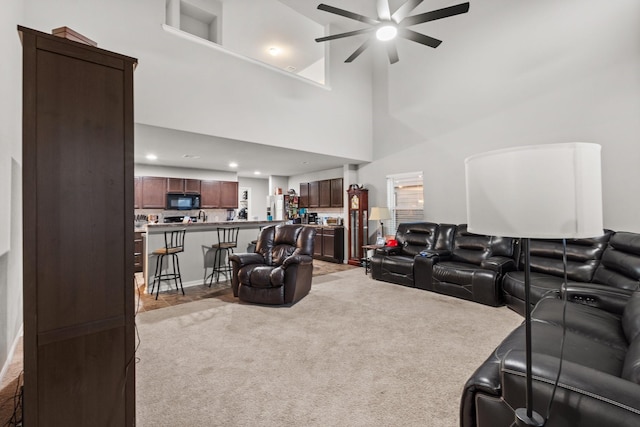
[[11, 353]]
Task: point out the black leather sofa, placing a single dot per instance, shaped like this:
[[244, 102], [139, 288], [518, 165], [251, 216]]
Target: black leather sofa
[[601, 271], [599, 383]]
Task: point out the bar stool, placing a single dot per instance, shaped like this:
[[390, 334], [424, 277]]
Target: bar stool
[[227, 241], [173, 245]]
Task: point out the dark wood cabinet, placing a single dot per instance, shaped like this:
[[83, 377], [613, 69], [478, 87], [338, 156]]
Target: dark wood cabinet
[[192, 186], [358, 199], [78, 272], [154, 192], [137, 191], [337, 193], [324, 196], [183, 185], [228, 195], [209, 194], [137, 252], [304, 195], [314, 194], [329, 244]]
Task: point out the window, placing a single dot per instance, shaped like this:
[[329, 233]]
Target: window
[[405, 199]]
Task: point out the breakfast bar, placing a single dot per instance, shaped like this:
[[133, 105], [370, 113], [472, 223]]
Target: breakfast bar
[[198, 254]]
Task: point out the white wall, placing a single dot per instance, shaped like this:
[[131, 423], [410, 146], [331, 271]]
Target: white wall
[[540, 72], [10, 179], [194, 87], [259, 193]]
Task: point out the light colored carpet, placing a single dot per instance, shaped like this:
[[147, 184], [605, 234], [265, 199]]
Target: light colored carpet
[[354, 352]]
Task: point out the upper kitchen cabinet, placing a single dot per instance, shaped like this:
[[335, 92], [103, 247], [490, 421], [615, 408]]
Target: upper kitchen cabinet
[[137, 201], [337, 193], [228, 195], [154, 192], [324, 196], [304, 195], [314, 194], [183, 185], [218, 194], [210, 194]]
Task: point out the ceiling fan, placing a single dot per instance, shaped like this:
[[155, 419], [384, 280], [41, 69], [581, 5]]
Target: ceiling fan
[[388, 25]]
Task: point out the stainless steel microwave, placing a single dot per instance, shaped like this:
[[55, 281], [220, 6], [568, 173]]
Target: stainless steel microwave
[[182, 202]]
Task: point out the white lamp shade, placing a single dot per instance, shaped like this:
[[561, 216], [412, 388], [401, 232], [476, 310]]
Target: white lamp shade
[[378, 214], [541, 191]]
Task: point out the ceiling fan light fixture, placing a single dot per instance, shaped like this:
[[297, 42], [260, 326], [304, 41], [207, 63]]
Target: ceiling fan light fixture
[[386, 32]]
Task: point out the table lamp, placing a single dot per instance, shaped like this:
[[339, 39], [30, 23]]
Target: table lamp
[[380, 214], [542, 191]]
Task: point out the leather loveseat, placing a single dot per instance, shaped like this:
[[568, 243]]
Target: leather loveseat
[[599, 383]]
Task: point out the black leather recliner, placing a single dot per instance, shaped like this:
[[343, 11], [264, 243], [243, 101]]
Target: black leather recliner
[[280, 270], [474, 268], [395, 263]]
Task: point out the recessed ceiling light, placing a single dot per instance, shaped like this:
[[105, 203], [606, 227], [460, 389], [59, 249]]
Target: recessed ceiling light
[[233, 165], [256, 173], [386, 32], [274, 51], [291, 68], [152, 157]]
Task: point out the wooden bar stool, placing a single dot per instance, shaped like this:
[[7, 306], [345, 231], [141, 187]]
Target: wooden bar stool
[[227, 241], [173, 245]]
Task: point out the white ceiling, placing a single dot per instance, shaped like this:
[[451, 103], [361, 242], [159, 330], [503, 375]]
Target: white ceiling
[[260, 25]]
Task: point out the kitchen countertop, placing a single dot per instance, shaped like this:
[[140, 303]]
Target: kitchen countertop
[[206, 226]]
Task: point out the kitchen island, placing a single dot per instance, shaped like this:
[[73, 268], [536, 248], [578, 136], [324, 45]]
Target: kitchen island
[[197, 248]]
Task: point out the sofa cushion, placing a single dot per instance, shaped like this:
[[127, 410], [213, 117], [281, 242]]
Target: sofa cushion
[[591, 322], [541, 285], [260, 276], [398, 264], [457, 273], [414, 237]]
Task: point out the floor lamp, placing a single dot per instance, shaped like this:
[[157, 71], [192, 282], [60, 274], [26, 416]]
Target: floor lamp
[[380, 214], [541, 191]]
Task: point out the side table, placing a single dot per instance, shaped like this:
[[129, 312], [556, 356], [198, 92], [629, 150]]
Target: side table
[[366, 260]]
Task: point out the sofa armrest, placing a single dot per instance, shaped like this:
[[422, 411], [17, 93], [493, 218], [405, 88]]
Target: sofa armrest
[[296, 259], [604, 297], [499, 264], [242, 259], [388, 250], [601, 398]]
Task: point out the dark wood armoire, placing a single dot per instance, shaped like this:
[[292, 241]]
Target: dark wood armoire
[[79, 347]]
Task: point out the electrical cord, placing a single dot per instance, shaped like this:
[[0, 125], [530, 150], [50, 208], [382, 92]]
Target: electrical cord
[[16, 416], [564, 327]]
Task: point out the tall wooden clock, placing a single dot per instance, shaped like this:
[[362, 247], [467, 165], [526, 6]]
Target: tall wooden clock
[[358, 200]]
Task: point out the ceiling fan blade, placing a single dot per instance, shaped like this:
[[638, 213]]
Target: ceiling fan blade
[[418, 38], [384, 13], [435, 14], [358, 51], [347, 14], [392, 51], [404, 10], [347, 34]]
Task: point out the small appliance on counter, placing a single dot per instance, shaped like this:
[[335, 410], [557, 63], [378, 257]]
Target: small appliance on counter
[[177, 219], [312, 218], [242, 214]]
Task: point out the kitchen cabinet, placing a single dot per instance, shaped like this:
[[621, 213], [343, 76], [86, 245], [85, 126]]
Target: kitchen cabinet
[[137, 191], [78, 287], [210, 194], [329, 244], [154, 192], [337, 193], [218, 194], [228, 194], [324, 196], [137, 252], [183, 185], [314, 194], [304, 195]]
